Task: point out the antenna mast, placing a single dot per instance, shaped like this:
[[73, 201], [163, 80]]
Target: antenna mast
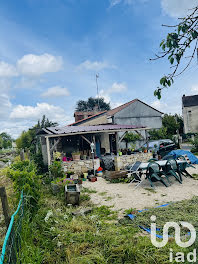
[[97, 76]]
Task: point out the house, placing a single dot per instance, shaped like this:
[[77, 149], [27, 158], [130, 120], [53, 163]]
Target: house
[[70, 139], [135, 112], [190, 113]]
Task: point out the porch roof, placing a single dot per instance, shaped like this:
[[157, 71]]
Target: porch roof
[[72, 130]]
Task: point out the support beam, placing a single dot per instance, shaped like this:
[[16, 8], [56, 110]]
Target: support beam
[[139, 134], [147, 144], [119, 141], [53, 147], [86, 139], [48, 152]]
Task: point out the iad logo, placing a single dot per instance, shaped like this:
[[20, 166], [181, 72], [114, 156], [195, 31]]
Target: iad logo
[[177, 234], [179, 256]]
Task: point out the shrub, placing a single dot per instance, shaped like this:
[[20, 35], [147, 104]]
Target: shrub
[[24, 176], [195, 144], [56, 169]]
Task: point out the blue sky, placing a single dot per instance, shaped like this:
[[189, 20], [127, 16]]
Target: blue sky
[[50, 52]]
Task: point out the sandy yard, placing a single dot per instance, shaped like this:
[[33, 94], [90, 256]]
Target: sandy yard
[[122, 197]]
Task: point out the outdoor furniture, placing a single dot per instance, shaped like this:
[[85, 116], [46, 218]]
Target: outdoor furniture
[[153, 159], [153, 174], [171, 169], [181, 157], [137, 174], [182, 167]]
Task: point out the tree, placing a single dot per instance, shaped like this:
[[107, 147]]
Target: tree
[[176, 46], [26, 138], [7, 140], [91, 103], [170, 125], [1, 142], [156, 134]]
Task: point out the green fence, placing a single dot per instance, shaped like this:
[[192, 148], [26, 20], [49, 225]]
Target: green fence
[[12, 241]]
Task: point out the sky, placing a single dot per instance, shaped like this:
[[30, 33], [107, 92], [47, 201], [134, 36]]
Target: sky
[[51, 51]]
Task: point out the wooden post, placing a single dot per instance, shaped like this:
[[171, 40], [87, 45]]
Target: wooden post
[[48, 152], [147, 143], [5, 206], [117, 142], [22, 155]]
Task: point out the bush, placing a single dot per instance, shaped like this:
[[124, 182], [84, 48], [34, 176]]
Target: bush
[[24, 176], [195, 144], [56, 169]]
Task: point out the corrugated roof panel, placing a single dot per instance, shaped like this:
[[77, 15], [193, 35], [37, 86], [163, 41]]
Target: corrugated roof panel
[[79, 129]]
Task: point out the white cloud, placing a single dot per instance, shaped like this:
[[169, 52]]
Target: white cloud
[[36, 65], [54, 113], [5, 106], [176, 8], [117, 88], [7, 70], [94, 66], [114, 2], [171, 107], [56, 91], [194, 88]]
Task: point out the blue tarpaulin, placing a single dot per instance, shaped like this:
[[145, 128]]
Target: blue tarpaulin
[[175, 153]]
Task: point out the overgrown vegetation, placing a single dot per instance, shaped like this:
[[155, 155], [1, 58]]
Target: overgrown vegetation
[[195, 144], [96, 238], [25, 177]]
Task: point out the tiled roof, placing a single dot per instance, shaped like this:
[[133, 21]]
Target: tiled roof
[[190, 100], [114, 111], [89, 129]]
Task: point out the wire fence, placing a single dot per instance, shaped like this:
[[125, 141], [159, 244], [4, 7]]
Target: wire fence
[[12, 241]]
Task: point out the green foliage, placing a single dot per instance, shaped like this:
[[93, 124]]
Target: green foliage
[[170, 123], [24, 176], [91, 103], [176, 46], [56, 169], [131, 137], [5, 141], [156, 134], [27, 137], [195, 144]]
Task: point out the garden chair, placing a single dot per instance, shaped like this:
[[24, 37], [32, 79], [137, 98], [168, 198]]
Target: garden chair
[[153, 174], [181, 157], [153, 159], [137, 174], [182, 167], [172, 169]]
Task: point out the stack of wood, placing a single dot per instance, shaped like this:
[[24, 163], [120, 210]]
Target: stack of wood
[[110, 175]]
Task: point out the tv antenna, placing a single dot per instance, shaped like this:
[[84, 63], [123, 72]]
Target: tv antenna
[[97, 76]]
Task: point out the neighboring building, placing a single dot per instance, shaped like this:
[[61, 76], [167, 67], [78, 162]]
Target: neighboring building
[[190, 113], [135, 112]]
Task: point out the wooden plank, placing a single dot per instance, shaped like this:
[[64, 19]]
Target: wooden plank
[[48, 152], [53, 147], [122, 137], [5, 206], [86, 139]]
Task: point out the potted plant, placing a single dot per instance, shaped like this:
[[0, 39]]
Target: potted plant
[[76, 155]]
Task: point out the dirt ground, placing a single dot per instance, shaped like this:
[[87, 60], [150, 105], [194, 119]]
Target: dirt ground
[[121, 196]]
